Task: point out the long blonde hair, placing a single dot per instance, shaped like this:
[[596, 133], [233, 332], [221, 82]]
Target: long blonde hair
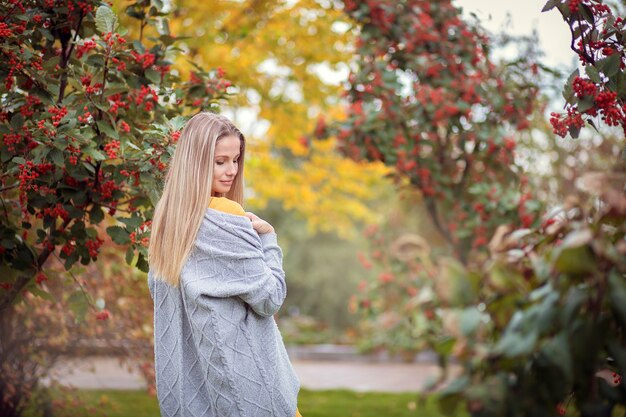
[[187, 193]]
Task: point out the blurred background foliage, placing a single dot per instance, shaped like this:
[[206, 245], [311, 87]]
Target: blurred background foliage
[[281, 56]]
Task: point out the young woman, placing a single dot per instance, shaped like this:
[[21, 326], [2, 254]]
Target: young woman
[[216, 279]]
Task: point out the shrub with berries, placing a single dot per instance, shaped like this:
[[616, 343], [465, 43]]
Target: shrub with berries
[[88, 120], [68, 154]]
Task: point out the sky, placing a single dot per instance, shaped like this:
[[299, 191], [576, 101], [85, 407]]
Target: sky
[[526, 15]]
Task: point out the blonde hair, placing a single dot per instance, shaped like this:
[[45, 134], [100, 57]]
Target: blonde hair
[[187, 193]]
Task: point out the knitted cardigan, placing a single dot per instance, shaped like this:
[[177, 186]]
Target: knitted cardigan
[[218, 351]]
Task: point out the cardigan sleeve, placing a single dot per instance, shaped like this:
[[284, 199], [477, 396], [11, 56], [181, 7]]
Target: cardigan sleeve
[[241, 264]]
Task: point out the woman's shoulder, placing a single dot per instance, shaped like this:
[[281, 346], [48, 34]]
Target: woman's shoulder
[[226, 205]]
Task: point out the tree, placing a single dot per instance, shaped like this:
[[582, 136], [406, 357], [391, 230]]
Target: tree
[[88, 120], [427, 100]]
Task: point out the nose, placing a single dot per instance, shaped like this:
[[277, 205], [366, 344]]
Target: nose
[[232, 169]]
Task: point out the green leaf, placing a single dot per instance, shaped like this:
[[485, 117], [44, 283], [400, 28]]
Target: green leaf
[[106, 20], [585, 103], [617, 295], [42, 294], [118, 234], [130, 255], [551, 4], [456, 285], [56, 156], [177, 123], [573, 301], [108, 130], [17, 121], [96, 215], [516, 344], [95, 154], [610, 65], [593, 74], [456, 386], [587, 13], [557, 351], [574, 131], [470, 320], [142, 263], [574, 261], [620, 79], [132, 222], [153, 76]]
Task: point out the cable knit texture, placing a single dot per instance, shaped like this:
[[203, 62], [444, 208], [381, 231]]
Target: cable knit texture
[[218, 351]]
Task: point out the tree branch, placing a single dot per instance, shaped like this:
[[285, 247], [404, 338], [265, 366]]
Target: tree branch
[[67, 47], [9, 187]]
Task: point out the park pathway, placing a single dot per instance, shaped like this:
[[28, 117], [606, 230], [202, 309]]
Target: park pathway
[[101, 372]]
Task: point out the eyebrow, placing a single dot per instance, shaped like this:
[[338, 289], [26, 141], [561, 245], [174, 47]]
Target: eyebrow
[[226, 156]]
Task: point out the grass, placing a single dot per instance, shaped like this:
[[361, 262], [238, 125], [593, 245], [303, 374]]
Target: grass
[[333, 403]]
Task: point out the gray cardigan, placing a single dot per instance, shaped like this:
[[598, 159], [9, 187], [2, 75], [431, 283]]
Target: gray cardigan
[[217, 349]]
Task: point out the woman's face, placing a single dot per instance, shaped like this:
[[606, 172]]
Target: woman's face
[[225, 164]]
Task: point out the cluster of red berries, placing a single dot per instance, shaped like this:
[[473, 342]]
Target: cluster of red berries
[[84, 6], [11, 139], [84, 118], [146, 60], [143, 241], [124, 127], [54, 212], [606, 99], [93, 246], [85, 48], [583, 87], [5, 31], [40, 277], [107, 188], [600, 9], [14, 66], [93, 89], [146, 96], [103, 315], [481, 237], [117, 102], [110, 38], [74, 152], [57, 114], [111, 148], [573, 5], [561, 123], [69, 247], [27, 109], [27, 173]]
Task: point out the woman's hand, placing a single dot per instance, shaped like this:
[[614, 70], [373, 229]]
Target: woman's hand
[[260, 225]]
